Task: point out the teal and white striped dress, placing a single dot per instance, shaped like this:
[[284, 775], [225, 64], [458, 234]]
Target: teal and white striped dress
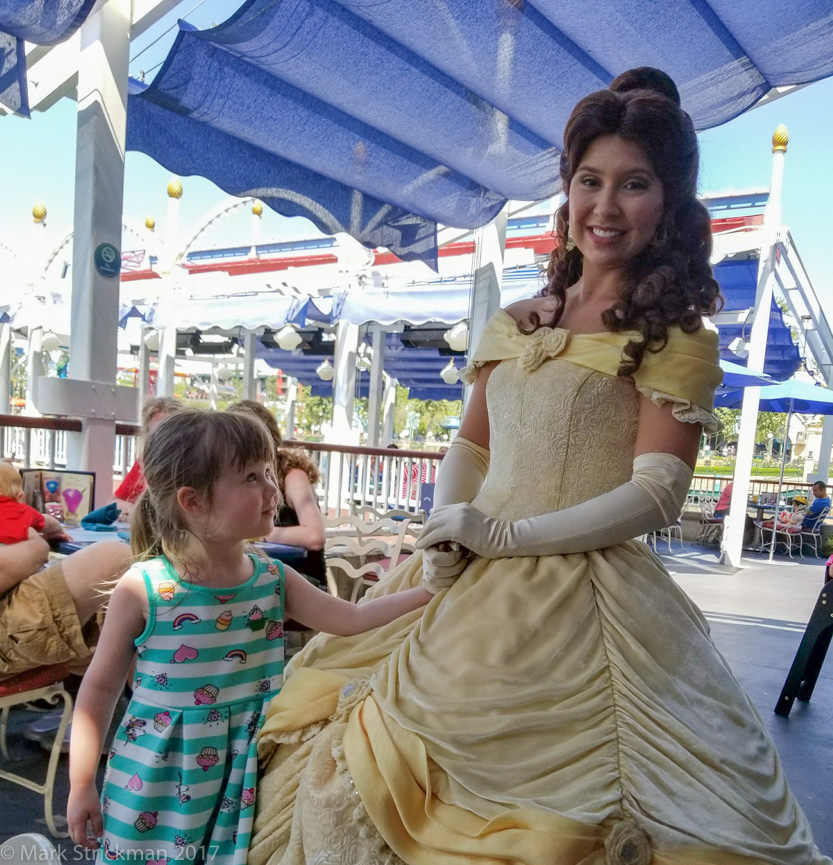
[[181, 776]]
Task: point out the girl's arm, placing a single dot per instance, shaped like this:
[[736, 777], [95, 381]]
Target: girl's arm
[[322, 612], [301, 498], [97, 697]]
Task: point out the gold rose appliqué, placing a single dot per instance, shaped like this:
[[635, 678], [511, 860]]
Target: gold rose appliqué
[[627, 844], [545, 343]]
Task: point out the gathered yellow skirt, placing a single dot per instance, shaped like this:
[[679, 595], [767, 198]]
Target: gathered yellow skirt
[[562, 709]]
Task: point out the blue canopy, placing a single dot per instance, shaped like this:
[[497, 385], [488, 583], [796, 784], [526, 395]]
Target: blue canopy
[[43, 22], [383, 119], [735, 376], [738, 283], [789, 396]]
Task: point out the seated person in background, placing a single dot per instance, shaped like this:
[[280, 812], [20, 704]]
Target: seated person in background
[[722, 510], [18, 521], [154, 411], [47, 615], [790, 521], [820, 501], [299, 521], [722, 507]]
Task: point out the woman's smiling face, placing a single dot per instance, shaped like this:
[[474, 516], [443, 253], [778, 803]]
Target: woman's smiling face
[[615, 203]]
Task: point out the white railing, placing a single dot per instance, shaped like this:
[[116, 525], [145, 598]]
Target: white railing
[[42, 442], [351, 478]]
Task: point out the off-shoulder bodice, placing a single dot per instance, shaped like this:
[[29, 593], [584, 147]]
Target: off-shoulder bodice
[[546, 456]]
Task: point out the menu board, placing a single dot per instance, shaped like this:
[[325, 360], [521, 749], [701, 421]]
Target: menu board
[[67, 496]]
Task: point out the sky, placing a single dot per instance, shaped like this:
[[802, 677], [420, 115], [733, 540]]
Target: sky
[[38, 156]]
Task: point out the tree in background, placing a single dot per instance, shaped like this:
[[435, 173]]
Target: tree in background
[[768, 422], [432, 413]]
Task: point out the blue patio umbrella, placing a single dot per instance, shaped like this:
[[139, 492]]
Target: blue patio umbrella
[[736, 376], [787, 397]]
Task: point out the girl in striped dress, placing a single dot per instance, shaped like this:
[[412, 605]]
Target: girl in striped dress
[[203, 615]]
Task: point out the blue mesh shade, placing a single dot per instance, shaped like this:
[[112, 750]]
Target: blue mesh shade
[[43, 22], [384, 119]]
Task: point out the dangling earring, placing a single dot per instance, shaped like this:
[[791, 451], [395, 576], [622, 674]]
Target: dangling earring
[[570, 245], [660, 237]]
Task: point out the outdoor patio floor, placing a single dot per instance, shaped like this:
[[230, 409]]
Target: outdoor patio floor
[[757, 616]]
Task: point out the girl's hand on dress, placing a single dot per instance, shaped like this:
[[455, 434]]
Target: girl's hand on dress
[[84, 807]]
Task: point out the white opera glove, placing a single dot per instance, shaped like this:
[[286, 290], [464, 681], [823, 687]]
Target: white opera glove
[[652, 499], [440, 568], [459, 479], [461, 473]]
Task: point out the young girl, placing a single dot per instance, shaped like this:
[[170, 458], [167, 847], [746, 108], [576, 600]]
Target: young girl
[[204, 616]]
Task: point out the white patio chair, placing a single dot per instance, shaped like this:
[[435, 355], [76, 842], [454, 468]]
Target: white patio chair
[[813, 536], [669, 533], [364, 551], [711, 527]]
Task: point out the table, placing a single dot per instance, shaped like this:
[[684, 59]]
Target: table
[[760, 508], [85, 537]]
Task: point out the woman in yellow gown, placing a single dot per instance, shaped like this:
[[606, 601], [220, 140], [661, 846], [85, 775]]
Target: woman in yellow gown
[[560, 701]]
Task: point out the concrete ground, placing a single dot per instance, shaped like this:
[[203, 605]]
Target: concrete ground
[[757, 614]]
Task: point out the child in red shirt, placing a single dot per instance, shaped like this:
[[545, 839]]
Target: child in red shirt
[[18, 519]]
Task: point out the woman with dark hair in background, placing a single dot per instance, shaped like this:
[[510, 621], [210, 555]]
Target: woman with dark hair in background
[[560, 701], [299, 521]]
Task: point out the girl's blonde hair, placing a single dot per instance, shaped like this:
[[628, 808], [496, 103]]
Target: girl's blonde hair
[[189, 449], [286, 459]]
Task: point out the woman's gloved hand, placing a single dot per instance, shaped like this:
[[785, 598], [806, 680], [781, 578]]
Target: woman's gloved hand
[[441, 565], [465, 527]]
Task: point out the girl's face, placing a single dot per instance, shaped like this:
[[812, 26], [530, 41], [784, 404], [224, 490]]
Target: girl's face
[[615, 203], [243, 502]]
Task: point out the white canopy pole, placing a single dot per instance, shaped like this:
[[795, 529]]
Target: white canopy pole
[[166, 361], [732, 544], [5, 369], [388, 407], [377, 384], [289, 415], [91, 391], [823, 473], [490, 244], [344, 384], [780, 479], [249, 358]]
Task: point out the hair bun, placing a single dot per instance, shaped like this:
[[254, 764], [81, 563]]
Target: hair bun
[[646, 78]]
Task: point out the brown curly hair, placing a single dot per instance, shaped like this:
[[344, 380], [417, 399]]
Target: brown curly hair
[[670, 282], [286, 459]]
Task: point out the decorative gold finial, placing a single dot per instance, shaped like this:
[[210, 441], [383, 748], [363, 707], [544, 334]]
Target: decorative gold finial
[[39, 211], [174, 188], [150, 223], [257, 208], [780, 138]]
